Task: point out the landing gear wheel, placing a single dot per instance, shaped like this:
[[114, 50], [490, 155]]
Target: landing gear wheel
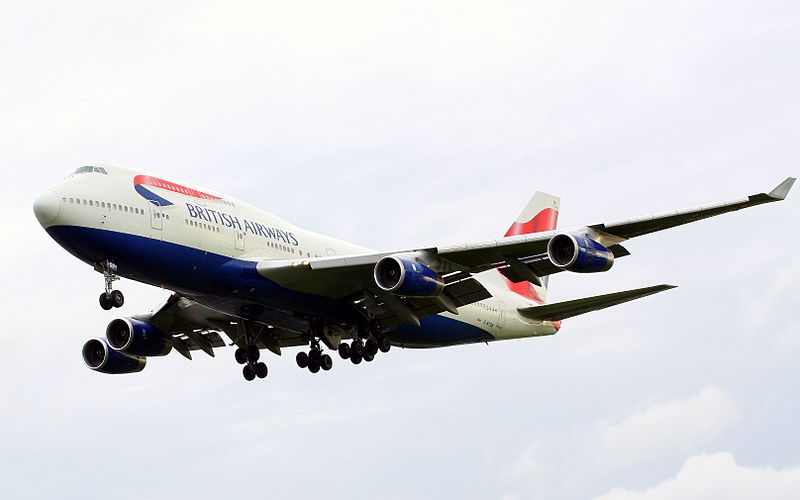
[[326, 363], [356, 347], [261, 370], [253, 353], [371, 347], [355, 358], [105, 301], [384, 344], [302, 359], [344, 351], [117, 299], [111, 298], [368, 356], [240, 355], [313, 367], [314, 355], [248, 372]]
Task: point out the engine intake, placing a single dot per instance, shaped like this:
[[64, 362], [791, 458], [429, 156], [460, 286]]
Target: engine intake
[[579, 254], [407, 277], [137, 338], [99, 357]]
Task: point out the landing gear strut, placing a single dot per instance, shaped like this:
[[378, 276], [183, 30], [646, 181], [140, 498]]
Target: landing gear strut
[[110, 298]]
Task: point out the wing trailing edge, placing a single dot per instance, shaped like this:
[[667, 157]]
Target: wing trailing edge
[[570, 308]]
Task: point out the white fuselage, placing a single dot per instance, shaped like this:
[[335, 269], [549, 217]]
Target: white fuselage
[[197, 223]]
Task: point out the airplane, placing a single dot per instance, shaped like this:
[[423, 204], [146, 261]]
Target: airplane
[[243, 277]]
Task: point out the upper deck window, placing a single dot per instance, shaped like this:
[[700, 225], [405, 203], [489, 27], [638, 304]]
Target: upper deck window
[[83, 170]]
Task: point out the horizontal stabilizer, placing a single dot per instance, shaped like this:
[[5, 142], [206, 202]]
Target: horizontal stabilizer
[[570, 308]]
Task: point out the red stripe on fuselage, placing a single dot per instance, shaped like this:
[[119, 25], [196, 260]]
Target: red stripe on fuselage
[[171, 186]]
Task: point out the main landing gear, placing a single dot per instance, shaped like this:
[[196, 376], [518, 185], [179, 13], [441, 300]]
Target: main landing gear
[[248, 356], [315, 360], [359, 350], [110, 298], [368, 342]]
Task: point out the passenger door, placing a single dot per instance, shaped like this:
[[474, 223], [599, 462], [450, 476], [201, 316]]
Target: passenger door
[[238, 239], [156, 216]]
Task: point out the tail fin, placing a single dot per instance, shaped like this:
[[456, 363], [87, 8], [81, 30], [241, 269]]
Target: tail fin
[[540, 214]]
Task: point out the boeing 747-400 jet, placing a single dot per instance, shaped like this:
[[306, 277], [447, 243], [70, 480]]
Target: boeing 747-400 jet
[[243, 275]]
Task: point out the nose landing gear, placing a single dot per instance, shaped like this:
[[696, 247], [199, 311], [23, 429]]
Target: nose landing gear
[[110, 298]]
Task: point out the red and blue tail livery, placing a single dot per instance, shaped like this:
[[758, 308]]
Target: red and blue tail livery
[[538, 216]]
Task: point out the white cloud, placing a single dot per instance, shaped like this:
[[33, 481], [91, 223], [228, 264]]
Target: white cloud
[[527, 464], [715, 476], [666, 426], [655, 432]]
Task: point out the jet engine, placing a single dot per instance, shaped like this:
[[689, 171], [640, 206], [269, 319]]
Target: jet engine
[[579, 254], [137, 338], [99, 357], [407, 277]]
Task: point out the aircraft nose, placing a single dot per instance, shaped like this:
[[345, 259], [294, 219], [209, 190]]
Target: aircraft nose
[[46, 207]]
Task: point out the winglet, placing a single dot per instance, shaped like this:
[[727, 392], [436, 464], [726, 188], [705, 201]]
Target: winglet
[[780, 192]]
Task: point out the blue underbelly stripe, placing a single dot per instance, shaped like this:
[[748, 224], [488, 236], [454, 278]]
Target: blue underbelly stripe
[[439, 331], [193, 271]]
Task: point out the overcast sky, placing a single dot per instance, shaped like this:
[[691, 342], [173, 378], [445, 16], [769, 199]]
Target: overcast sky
[[419, 123]]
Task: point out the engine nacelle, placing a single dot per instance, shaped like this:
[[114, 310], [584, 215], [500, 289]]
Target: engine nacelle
[[99, 357], [406, 277], [137, 338], [579, 254]]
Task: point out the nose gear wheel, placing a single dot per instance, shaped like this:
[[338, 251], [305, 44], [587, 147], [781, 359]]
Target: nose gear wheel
[[110, 298]]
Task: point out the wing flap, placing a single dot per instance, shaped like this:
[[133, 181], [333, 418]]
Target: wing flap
[[570, 308], [191, 326]]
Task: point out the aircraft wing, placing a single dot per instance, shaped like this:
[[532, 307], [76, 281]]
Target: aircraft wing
[[519, 258], [190, 326], [646, 225], [531, 246]]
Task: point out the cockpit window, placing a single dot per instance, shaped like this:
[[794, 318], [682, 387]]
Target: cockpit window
[[83, 170]]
